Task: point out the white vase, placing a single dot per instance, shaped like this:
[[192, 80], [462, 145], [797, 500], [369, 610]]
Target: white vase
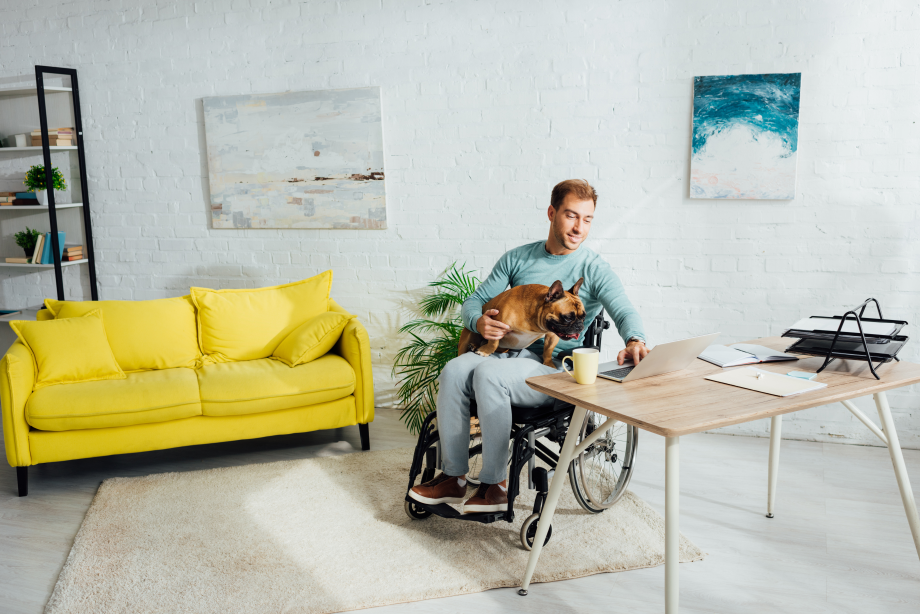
[[42, 197]]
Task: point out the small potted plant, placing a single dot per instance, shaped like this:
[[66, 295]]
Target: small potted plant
[[35, 182], [26, 239]]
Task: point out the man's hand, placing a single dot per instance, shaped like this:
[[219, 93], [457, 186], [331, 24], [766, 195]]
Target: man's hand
[[489, 328], [634, 350]]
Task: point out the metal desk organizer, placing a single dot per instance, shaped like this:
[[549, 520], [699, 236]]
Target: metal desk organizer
[[847, 345]]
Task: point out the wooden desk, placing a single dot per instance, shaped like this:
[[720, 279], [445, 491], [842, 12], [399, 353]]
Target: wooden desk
[[683, 402]]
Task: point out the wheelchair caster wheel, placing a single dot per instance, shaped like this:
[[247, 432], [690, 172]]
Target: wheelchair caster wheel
[[415, 512], [529, 532]]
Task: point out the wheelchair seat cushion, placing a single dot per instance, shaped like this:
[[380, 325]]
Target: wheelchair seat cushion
[[525, 415]]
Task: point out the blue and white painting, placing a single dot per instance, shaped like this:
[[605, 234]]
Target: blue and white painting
[[745, 136], [296, 159]]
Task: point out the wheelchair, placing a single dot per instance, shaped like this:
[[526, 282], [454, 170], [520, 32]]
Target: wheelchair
[[599, 476]]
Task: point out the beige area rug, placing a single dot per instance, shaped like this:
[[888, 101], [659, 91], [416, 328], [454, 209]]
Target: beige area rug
[[320, 535]]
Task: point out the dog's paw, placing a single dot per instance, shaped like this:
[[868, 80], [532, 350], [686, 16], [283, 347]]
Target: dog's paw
[[549, 363], [480, 353]]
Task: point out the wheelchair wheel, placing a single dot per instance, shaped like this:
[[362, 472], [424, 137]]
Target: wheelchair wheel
[[529, 532], [415, 512], [600, 475]]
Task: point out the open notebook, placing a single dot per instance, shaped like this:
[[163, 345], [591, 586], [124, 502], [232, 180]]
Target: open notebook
[[742, 354]]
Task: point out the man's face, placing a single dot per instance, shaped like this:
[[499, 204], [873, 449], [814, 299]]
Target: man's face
[[571, 223]]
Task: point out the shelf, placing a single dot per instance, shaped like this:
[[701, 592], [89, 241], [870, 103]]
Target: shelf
[[41, 266], [37, 148], [31, 89], [38, 207]]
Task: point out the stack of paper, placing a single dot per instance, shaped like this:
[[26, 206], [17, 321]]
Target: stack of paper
[[742, 354], [849, 326], [765, 381]]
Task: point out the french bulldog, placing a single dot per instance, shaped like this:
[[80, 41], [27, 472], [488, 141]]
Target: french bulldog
[[532, 311]]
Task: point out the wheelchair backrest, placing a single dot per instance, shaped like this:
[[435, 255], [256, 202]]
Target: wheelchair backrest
[[596, 331]]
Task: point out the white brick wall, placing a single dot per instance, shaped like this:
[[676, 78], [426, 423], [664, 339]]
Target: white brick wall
[[486, 106]]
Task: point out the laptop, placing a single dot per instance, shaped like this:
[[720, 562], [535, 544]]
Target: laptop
[[663, 358]]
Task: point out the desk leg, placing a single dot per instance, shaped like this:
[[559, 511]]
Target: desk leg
[[900, 471], [552, 497], [776, 430], [671, 522]]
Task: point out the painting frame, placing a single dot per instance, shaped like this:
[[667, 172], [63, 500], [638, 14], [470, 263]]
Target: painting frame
[[296, 159], [744, 141]]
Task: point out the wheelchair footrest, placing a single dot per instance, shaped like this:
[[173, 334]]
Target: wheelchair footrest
[[445, 511]]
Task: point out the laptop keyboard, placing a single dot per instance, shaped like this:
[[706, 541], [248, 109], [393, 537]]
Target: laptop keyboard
[[619, 373]]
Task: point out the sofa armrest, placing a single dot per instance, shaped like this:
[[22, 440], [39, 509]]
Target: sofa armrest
[[355, 346], [17, 376]]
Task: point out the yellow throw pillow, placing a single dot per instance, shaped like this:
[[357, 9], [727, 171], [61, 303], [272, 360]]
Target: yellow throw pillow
[[69, 350], [144, 335], [249, 324], [312, 339]]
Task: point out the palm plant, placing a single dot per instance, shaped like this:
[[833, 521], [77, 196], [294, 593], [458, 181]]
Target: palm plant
[[419, 364]]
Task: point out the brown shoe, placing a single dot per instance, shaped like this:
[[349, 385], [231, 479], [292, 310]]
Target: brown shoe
[[488, 498], [442, 489]]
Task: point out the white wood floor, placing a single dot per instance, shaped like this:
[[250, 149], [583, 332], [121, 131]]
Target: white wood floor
[[839, 543]]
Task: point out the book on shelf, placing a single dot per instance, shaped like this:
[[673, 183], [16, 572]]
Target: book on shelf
[[31, 195], [18, 260], [46, 250], [53, 142], [72, 258], [67, 130], [742, 354], [37, 252], [9, 312], [24, 202]]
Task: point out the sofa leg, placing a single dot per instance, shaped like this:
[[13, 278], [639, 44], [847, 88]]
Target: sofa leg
[[365, 437], [22, 478]]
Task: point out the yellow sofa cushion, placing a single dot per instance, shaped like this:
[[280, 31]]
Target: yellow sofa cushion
[[249, 324], [156, 334], [143, 397], [254, 386], [312, 339], [72, 350]]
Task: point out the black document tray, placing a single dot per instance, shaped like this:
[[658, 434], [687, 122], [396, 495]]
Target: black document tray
[[834, 322], [834, 343], [852, 349]]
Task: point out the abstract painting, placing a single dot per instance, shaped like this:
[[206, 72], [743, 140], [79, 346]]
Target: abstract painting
[[296, 160], [745, 136]]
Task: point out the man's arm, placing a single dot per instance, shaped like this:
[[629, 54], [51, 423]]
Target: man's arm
[[612, 295], [495, 284]]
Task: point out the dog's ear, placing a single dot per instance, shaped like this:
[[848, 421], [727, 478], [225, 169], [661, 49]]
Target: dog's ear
[[555, 293], [577, 286]]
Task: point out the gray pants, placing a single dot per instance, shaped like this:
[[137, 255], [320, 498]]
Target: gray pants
[[497, 383]]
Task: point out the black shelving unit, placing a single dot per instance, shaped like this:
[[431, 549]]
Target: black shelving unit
[[40, 72]]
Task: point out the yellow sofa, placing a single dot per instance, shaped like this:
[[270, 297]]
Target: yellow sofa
[[210, 396]]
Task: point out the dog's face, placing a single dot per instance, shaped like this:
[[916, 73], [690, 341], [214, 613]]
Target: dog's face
[[563, 314]]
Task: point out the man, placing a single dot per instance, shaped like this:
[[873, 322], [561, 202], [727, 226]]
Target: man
[[497, 381]]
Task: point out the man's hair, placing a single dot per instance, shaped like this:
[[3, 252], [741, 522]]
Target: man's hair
[[579, 187]]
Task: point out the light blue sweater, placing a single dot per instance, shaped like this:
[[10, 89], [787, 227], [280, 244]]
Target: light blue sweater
[[532, 264]]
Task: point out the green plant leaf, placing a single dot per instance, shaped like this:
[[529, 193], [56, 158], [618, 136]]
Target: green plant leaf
[[432, 343]]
